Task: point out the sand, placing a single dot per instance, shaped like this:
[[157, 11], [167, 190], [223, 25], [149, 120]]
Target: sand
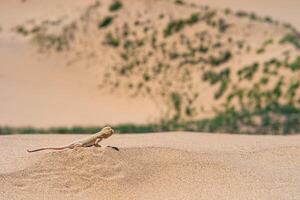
[[40, 91], [152, 166]]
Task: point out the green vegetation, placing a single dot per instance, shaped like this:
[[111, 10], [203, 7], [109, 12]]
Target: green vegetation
[[223, 58], [176, 101], [105, 22], [227, 11], [214, 78], [21, 30], [179, 2], [273, 119], [111, 40], [222, 77], [262, 49], [222, 26], [252, 16], [124, 128], [177, 25], [292, 39], [117, 5], [295, 65], [248, 71], [272, 62]]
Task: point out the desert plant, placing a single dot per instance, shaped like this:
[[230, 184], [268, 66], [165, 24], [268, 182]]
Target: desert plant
[[295, 65], [105, 22], [247, 72], [179, 2], [111, 40], [223, 58], [175, 26], [292, 39], [117, 5]]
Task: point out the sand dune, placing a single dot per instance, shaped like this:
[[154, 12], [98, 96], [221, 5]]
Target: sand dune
[[152, 166], [132, 173], [40, 91]]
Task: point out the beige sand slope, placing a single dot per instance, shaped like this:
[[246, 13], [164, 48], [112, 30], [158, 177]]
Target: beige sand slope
[[153, 166], [40, 91], [281, 10]]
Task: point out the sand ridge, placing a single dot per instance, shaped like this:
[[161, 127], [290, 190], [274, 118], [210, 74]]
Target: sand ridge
[[130, 173], [152, 166]]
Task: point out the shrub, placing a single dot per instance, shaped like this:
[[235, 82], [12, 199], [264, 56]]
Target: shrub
[[112, 41], [115, 6], [292, 39], [222, 89], [173, 27], [214, 77], [176, 101], [222, 26], [260, 50], [105, 22], [248, 71], [223, 58], [177, 25], [22, 30], [179, 2], [295, 65]]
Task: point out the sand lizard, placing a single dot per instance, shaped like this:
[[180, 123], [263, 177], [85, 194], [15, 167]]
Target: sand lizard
[[89, 141]]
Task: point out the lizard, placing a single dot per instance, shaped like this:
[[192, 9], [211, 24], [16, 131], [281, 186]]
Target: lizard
[[89, 141]]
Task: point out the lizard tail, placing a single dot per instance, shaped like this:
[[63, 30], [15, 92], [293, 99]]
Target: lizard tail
[[48, 148]]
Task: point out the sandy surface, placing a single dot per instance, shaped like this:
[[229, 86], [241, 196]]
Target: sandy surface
[[152, 166]]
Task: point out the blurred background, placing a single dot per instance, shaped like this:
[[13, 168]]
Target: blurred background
[[150, 65]]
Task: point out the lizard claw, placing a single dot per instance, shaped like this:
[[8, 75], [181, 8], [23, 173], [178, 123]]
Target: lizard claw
[[115, 148], [97, 145]]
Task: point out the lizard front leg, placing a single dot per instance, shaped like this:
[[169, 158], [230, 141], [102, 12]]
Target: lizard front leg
[[96, 143]]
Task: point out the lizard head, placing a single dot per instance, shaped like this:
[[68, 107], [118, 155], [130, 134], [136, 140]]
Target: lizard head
[[107, 132]]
